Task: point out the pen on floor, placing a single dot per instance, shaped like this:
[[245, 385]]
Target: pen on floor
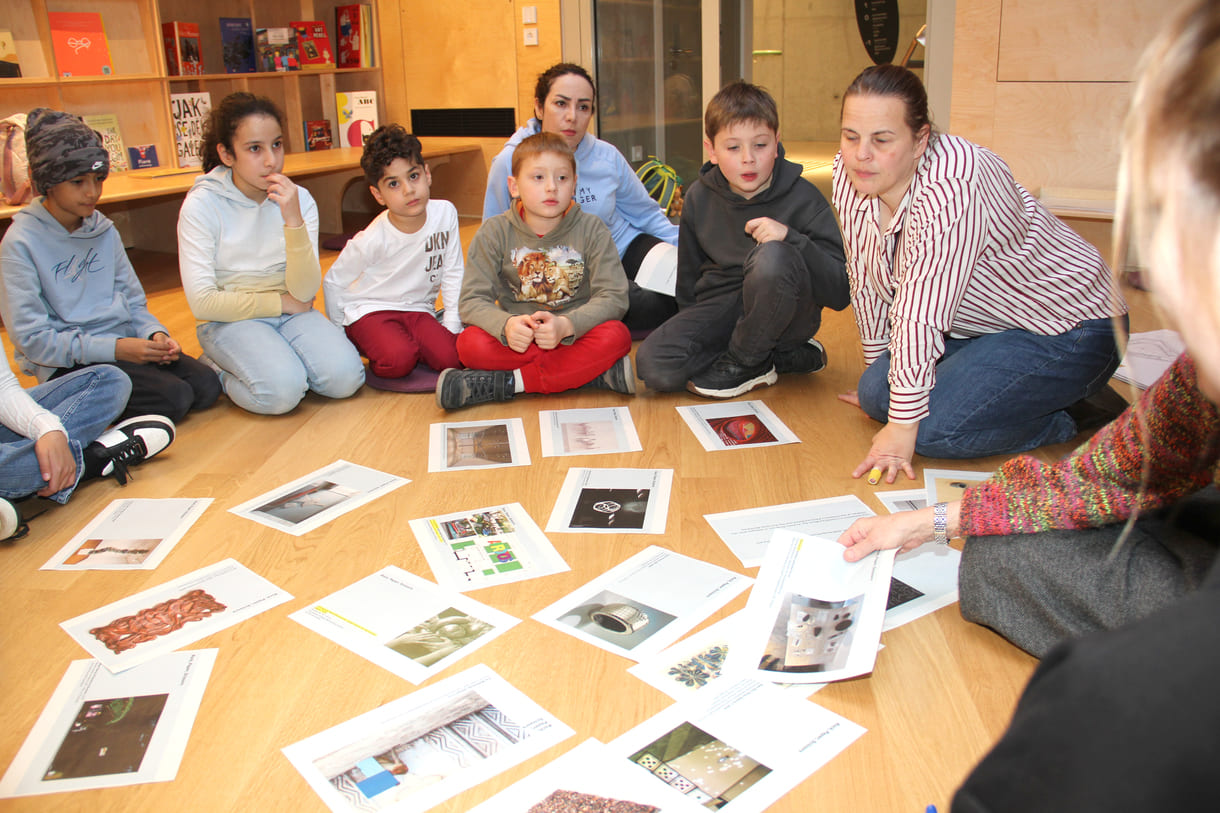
[[931, 809], [874, 477]]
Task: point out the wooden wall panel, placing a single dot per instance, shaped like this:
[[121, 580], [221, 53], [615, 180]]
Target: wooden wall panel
[[976, 38], [534, 59], [459, 54], [1060, 134], [1058, 41]]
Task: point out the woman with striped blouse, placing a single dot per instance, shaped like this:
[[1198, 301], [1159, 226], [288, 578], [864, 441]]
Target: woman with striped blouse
[[983, 317]]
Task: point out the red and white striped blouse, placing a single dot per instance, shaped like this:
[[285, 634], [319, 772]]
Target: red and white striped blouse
[[968, 252]]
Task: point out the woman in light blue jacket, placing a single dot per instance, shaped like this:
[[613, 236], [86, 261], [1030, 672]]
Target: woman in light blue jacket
[[564, 100]]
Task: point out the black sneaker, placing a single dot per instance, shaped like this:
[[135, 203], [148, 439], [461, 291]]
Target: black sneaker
[[619, 378], [127, 443], [12, 527], [809, 357], [462, 388], [727, 378]]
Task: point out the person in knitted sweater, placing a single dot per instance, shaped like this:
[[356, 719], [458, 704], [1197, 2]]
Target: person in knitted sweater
[[1126, 524], [1036, 565]]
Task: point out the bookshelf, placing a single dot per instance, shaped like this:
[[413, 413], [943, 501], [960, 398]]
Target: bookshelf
[[138, 91]]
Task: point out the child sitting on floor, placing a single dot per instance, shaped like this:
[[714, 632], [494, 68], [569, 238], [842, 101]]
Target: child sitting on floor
[[382, 289], [759, 256], [70, 297], [248, 254], [54, 436], [543, 293]]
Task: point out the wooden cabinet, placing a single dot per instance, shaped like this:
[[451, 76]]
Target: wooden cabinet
[[139, 89]]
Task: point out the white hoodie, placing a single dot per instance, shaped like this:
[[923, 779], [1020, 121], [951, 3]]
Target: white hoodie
[[237, 257]]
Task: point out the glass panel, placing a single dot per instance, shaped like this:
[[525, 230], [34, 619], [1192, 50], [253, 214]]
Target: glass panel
[[643, 111], [682, 63], [626, 73]]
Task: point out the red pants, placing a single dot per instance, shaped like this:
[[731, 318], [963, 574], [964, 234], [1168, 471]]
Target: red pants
[[563, 368], [395, 341]]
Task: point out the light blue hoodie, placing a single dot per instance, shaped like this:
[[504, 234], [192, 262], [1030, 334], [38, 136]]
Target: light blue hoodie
[[606, 186], [67, 296]]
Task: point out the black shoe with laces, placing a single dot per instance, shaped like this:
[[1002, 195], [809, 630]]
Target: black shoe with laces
[[619, 378], [808, 357], [728, 378], [462, 388], [126, 444]]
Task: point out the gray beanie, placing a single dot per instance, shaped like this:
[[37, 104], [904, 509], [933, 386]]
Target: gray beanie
[[60, 147]]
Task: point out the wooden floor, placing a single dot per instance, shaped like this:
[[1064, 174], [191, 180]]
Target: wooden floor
[[941, 692]]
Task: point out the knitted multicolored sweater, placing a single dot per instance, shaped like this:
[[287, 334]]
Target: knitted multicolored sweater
[[1158, 451]]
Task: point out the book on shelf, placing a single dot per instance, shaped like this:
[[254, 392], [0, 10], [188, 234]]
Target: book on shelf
[[237, 44], [143, 156], [183, 56], [9, 67], [277, 49], [190, 112], [313, 45], [317, 135], [107, 126], [357, 116], [78, 39], [353, 30]]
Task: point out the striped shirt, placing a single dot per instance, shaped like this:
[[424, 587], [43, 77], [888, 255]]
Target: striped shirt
[[968, 252]]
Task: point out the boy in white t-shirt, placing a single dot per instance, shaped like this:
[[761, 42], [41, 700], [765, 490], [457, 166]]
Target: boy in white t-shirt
[[382, 289]]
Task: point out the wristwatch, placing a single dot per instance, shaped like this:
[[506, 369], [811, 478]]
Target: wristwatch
[[940, 522]]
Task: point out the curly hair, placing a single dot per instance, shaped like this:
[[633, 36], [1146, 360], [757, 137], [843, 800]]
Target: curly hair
[[227, 116], [384, 144]]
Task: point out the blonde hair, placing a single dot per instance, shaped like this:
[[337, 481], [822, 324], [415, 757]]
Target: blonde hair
[[1169, 177], [540, 143]]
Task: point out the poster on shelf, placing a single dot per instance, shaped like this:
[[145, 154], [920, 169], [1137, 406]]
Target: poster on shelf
[[79, 41], [190, 112], [357, 116]]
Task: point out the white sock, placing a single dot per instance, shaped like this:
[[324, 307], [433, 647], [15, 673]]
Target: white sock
[[518, 382]]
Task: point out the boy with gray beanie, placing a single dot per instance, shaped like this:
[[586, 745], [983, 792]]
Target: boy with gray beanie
[[69, 295]]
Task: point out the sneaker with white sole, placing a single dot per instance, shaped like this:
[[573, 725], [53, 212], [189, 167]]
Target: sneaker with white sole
[[126, 444], [808, 357], [728, 378], [462, 388], [12, 527], [619, 378]]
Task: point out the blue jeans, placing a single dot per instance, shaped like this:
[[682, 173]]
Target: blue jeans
[[269, 364], [86, 402], [1004, 392]]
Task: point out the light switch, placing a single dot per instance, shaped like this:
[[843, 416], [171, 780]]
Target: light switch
[[531, 36], [529, 15]]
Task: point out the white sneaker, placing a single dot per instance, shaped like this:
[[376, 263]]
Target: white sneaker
[[11, 526], [125, 444]]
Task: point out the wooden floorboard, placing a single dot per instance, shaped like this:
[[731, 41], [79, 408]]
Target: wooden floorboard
[[941, 692]]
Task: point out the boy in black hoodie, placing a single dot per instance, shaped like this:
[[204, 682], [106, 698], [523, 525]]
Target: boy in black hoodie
[[759, 256]]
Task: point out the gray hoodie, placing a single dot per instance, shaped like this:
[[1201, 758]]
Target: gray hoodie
[[67, 296]]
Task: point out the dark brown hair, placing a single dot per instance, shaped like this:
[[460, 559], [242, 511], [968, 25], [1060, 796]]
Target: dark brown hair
[[899, 82], [226, 117], [740, 101], [542, 87], [384, 144]]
